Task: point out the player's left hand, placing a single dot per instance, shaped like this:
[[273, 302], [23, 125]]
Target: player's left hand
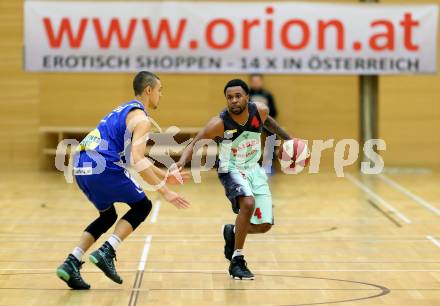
[[173, 178], [177, 176]]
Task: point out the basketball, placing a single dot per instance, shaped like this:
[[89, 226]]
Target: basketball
[[294, 154]]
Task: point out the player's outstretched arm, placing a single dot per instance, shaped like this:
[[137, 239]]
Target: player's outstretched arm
[[269, 123], [139, 125], [173, 176], [212, 130]]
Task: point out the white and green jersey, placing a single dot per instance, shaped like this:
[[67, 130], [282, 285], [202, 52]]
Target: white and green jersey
[[240, 147], [238, 169]]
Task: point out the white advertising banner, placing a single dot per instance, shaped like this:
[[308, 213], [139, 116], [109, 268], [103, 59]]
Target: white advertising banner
[[230, 37]]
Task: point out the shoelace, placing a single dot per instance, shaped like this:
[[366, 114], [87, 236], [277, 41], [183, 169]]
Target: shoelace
[[111, 252], [76, 275], [242, 263], [112, 256], [76, 264]]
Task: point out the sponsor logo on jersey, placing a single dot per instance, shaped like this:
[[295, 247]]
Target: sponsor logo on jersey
[[91, 141], [83, 171]]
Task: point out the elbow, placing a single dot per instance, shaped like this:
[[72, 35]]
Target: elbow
[[136, 157], [140, 162]]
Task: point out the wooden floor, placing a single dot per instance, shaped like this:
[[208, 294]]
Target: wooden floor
[[344, 241]]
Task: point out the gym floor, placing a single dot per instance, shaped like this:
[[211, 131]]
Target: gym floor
[[357, 240]]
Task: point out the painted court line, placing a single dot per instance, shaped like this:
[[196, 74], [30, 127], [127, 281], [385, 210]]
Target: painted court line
[[409, 194], [291, 270], [433, 240], [378, 198], [155, 212], [198, 240], [140, 272], [225, 271], [144, 257], [145, 252], [269, 236]]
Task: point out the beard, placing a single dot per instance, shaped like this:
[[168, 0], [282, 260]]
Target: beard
[[237, 111]]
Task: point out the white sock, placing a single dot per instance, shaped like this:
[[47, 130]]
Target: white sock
[[114, 241], [238, 252], [78, 253]]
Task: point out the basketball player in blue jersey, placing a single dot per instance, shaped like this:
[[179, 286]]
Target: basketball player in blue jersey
[[99, 171], [238, 130]]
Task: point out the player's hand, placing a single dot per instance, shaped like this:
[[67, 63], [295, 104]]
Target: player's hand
[[175, 199], [179, 165], [178, 177]]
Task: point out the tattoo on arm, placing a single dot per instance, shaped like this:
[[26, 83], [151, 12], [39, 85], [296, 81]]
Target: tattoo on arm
[[274, 127]]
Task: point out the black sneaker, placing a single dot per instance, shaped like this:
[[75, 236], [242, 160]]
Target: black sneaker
[[103, 259], [69, 273], [229, 236], [238, 269]]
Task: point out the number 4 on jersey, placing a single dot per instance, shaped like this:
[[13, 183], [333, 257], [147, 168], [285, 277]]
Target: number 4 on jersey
[[258, 213]]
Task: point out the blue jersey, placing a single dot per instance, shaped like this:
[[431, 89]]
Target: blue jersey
[[110, 142], [99, 162]]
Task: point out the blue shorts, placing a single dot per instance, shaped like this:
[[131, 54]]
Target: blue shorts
[[109, 187]]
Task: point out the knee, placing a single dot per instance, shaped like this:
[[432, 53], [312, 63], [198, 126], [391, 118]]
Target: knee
[[138, 213], [247, 205], [145, 209], [265, 227], [102, 224], [111, 218]]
